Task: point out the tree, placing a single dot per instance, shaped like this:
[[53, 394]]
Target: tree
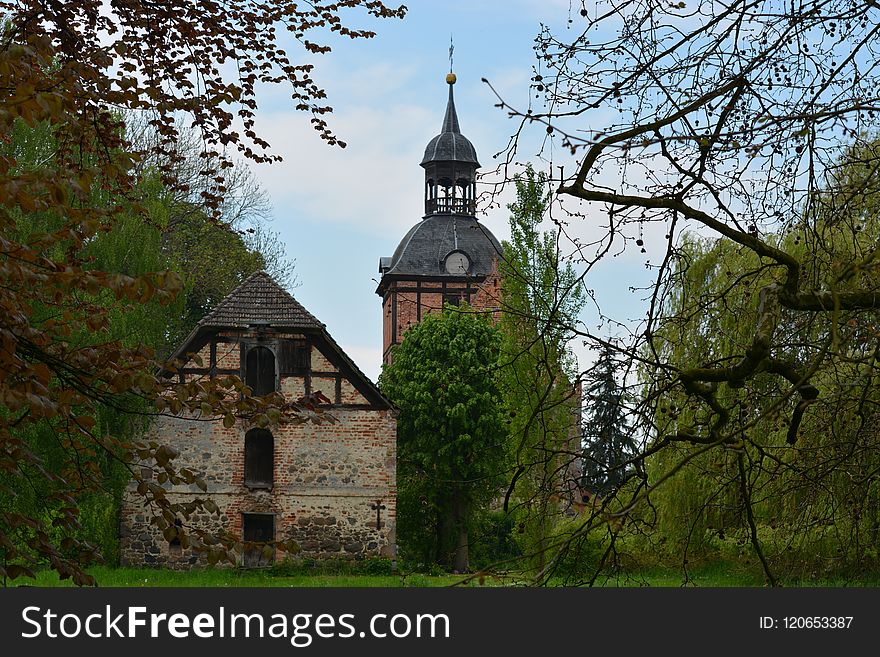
[[730, 119], [451, 435], [206, 62], [64, 67], [608, 442], [813, 502], [186, 221], [134, 247], [540, 298]]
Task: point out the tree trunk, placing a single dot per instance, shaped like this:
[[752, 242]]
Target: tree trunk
[[460, 559], [439, 556]]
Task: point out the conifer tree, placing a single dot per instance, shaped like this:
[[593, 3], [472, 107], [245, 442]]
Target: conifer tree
[[609, 445]]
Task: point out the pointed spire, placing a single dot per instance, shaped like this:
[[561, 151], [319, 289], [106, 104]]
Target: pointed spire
[[450, 145], [450, 121]]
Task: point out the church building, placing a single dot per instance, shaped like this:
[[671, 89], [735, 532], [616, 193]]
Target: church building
[[328, 486], [448, 256]]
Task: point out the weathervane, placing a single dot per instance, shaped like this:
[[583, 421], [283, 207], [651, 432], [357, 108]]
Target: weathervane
[[451, 48]]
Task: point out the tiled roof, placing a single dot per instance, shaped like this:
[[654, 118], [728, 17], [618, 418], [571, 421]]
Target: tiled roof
[[259, 300]]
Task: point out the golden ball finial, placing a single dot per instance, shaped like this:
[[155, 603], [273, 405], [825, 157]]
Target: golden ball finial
[[450, 78]]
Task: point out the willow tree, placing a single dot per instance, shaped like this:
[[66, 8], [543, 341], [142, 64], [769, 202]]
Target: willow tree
[[727, 119], [803, 474]]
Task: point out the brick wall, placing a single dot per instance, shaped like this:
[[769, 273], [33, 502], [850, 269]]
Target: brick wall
[[326, 476], [406, 302]]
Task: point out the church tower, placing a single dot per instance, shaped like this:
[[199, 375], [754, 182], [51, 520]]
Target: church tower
[[449, 256]]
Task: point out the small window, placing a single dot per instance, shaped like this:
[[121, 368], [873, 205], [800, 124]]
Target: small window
[[258, 529], [454, 298], [259, 459], [260, 371], [295, 357]]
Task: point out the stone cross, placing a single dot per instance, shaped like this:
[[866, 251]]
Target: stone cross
[[377, 507]]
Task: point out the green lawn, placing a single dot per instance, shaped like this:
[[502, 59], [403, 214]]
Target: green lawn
[[716, 575], [725, 574], [218, 577]]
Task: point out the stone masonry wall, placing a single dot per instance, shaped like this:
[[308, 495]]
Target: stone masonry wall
[[327, 477]]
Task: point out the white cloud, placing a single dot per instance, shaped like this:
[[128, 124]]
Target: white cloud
[[374, 183], [375, 179]]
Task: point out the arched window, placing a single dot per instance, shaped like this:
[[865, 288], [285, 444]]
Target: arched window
[[259, 459], [259, 372]]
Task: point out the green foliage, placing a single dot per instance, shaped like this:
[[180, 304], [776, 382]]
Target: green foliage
[[213, 259], [493, 545], [99, 517], [450, 433], [541, 293], [409, 566], [812, 495], [577, 554], [541, 298]]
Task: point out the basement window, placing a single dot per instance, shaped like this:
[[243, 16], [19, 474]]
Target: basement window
[[174, 545], [259, 459], [258, 529], [259, 374]]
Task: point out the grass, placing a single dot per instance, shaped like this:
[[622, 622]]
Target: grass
[[724, 574], [711, 575], [219, 577]]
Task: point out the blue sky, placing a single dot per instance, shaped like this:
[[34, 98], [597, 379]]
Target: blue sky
[[339, 210]]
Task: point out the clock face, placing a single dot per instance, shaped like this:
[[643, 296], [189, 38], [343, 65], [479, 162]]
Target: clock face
[[457, 263]]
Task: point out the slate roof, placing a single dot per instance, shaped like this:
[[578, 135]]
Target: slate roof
[[424, 248], [450, 145], [259, 300]]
